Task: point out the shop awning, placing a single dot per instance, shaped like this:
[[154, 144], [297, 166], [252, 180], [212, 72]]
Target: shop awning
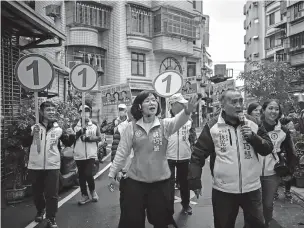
[[22, 20]]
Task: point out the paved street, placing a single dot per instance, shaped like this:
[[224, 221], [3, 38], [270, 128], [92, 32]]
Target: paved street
[[105, 213]]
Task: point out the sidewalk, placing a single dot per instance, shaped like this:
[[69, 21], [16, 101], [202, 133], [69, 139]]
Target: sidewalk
[[299, 192]]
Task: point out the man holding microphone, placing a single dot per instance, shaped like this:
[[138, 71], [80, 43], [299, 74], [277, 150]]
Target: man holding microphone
[[232, 142]]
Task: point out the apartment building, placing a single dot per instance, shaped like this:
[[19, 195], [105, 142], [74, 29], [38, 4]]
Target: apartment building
[[282, 23], [134, 41], [28, 27], [254, 25], [295, 32]]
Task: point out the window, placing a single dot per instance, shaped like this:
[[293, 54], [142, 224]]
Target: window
[[139, 21], [138, 64], [297, 40], [273, 41], [86, 54], [297, 9], [157, 23], [194, 4], [86, 14], [191, 69], [271, 19], [175, 23]]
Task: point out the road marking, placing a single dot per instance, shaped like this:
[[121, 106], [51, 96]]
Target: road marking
[[104, 158], [72, 194]]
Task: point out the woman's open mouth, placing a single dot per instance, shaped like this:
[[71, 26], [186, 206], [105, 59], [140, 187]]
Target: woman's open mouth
[[152, 108]]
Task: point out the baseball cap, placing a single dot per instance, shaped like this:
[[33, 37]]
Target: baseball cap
[[122, 106], [85, 107], [178, 97]]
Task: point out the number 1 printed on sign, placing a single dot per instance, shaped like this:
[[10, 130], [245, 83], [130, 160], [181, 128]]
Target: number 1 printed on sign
[[168, 79], [84, 78], [34, 66]]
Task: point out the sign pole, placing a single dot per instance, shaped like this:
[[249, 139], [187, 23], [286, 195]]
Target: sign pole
[[37, 120], [83, 109]]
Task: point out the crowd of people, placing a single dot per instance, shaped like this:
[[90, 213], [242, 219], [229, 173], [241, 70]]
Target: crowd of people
[[249, 156]]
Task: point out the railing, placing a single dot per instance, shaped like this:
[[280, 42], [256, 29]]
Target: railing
[[87, 15], [169, 23]]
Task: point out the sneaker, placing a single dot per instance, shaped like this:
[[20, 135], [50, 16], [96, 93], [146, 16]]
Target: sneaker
[[94, 196], [276, 196], [288, 195], [84, 199], [39, 216], [187, 210], [51, 223]]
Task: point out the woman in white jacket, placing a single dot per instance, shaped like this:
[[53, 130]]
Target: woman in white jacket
[[85, 154], [179, 153]]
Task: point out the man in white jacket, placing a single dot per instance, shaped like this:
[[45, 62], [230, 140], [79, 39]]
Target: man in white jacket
[[179, 152]]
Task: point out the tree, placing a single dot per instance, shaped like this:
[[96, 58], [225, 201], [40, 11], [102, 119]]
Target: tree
[[270, 80]]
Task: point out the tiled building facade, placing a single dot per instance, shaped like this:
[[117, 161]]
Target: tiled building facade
[[140, 40], [275, 32]]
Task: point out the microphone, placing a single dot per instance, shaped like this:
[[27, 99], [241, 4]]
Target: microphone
[[242, 118]]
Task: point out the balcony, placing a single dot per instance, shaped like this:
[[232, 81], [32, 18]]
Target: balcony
[[171, 22], [88, 14], [282, 23], [139, 27], [296, 16], [245, 25]]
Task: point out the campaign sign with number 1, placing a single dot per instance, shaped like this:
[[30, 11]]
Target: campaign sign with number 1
[[168, 83], [83, 77], [34, 72]]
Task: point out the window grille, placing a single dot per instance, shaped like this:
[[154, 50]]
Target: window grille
[[10, 90]]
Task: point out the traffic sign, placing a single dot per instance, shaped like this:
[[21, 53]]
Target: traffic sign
[[168, 83], [34, 72], [83, 77]]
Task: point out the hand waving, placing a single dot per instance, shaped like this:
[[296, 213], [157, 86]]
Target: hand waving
[[192, 104]]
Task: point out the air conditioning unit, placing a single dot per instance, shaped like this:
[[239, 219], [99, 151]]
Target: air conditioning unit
[[256, 54], [99, 69], [52, 11], [71, 64], [255, 3]]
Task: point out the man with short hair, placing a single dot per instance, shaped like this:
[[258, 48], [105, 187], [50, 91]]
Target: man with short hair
[[44, 164], [232, 145]]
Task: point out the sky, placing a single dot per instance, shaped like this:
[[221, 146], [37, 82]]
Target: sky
[[226, 43]]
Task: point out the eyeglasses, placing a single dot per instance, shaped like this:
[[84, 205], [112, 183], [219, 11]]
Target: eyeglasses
[[121, 109]]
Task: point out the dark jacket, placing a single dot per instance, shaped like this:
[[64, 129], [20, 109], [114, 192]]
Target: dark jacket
[[116, 139], [234, 162]]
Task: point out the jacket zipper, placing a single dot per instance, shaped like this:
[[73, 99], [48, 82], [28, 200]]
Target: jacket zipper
[[178, 145], [45, 141], [239, 161], [230, 137], [264, 164]]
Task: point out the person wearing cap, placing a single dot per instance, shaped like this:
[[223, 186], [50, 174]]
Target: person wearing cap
[[179, 152], [85, 153], [122, 112]]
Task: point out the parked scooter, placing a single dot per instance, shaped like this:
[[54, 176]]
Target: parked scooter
[[68, 170]]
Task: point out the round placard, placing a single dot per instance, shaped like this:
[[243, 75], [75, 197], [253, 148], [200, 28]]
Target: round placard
[[83, 77], [34, 72], [168, 83]]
